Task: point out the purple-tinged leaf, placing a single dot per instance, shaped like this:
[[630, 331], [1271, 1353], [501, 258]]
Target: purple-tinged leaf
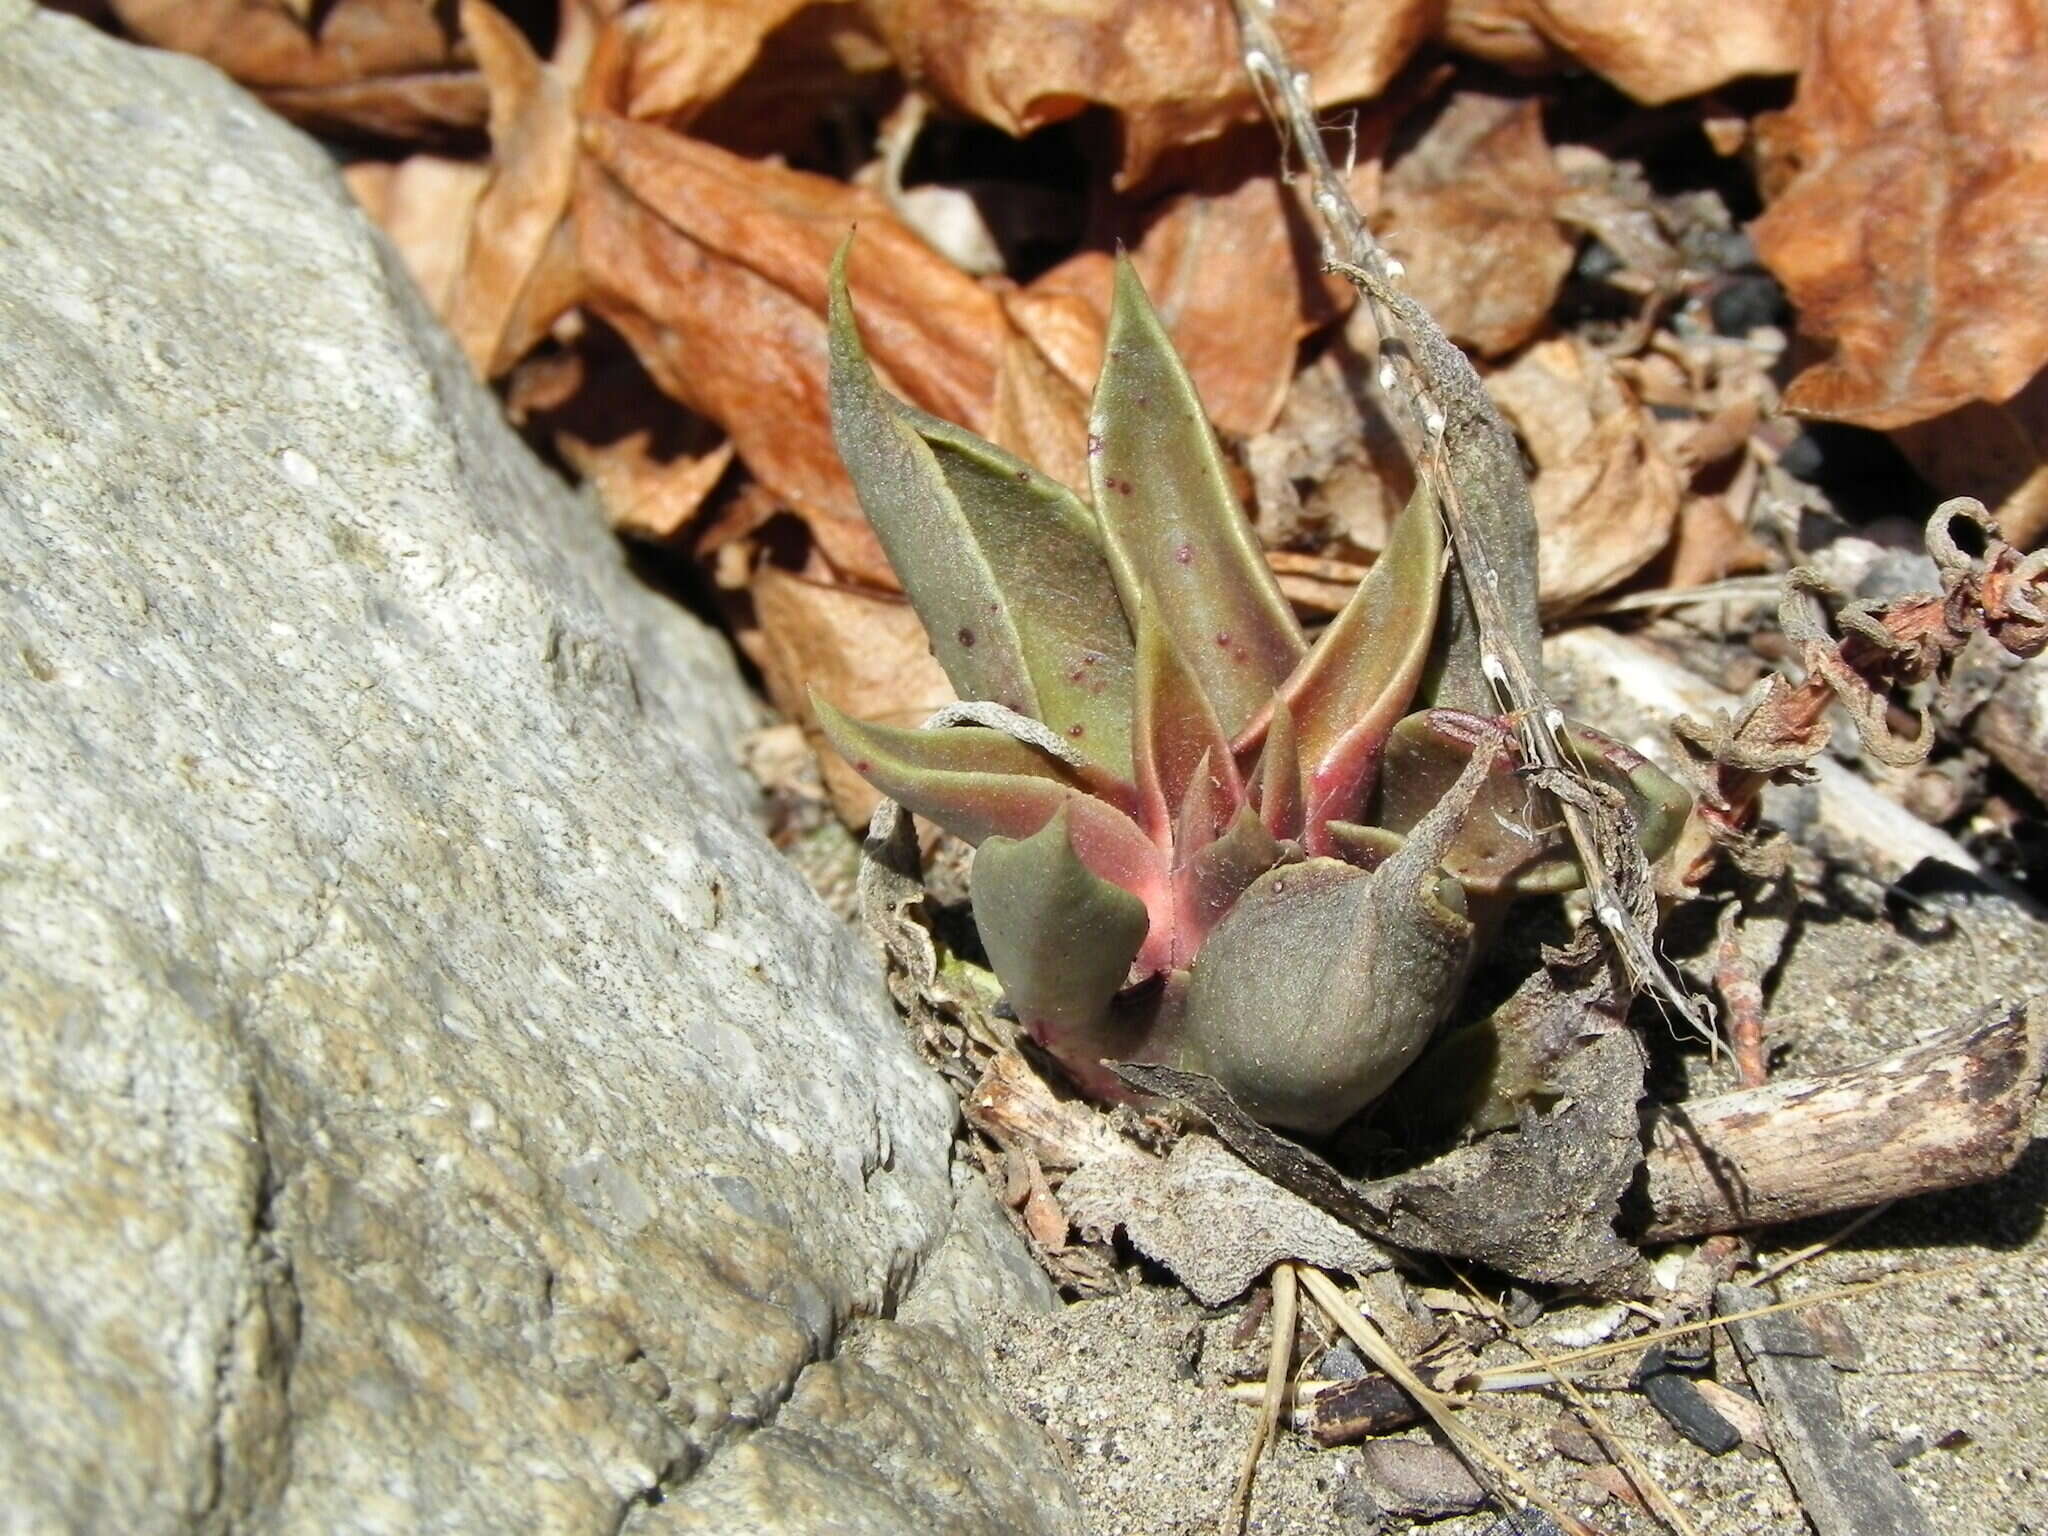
[[1176, 732], [1357, 682], [1173, 530], [1278, 782], [1210, 881]]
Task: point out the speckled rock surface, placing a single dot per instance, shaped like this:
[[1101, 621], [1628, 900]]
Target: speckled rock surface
[[426, 1104]]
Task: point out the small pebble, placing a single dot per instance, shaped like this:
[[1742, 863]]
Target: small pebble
[[1524, 1522], [1341, 1362], [1414, 1478], [1744, 303]]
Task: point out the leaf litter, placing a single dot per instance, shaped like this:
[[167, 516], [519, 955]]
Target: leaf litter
[[638, 259]]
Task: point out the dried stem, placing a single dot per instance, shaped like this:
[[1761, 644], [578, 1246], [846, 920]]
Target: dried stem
[[1279, 1357], [1446, 415]]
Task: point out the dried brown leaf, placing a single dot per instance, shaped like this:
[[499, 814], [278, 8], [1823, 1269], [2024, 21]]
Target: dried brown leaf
[[1708, 543], [391, 67], [931, 327], [1230, 270], [519, 272], [1910, 223], [644, 495], [424, 204], [1996, 453], [1656, 50], [1469, 212], [1169, 68], [865, 652], [681, 55], [1606, 498]]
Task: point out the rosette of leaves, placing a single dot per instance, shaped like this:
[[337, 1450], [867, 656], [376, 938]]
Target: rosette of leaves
[[1202, 840]]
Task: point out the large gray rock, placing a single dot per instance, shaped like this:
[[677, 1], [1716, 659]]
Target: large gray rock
[[425, 1103]]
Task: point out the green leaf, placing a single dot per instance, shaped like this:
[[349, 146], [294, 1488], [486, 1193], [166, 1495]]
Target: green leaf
[[927, 536], [1279, 777], [1173, 530], [1041, 542], [1061, 938], [1358, 680], [1210, 881]]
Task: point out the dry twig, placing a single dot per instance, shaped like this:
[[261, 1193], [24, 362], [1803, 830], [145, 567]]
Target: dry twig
[[1458, 441]]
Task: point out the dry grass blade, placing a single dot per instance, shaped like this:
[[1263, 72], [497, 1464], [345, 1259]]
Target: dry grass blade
[[1279, 1356], [1477, 1380], [1661, 1504], [1487, 1464], [1441, 397]]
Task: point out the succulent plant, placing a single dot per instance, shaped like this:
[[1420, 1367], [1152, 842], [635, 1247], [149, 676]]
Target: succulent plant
[[1200, 840]]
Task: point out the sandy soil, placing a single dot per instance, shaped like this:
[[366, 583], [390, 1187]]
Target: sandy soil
[[1132, 1387]]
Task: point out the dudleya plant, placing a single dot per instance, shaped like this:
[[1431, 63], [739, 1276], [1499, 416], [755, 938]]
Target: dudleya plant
[[1201, 840]]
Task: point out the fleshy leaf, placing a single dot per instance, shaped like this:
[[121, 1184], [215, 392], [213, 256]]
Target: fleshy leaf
[[1279, 776], [979, 783], [1357, 682], [1367, 847], [1042, 544], [1173, 530], [1498, 852], [1209, 882], [1061, 937], [1176, 732], [1324, 982], [930, 542]]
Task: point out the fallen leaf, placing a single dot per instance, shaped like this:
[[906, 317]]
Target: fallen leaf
[[1231, 267], [1468, 209], [1210, 1219], [1708, 543], [1606, 498], [389, 67], [424, 204], [1170, 69], [519, 271], [864, 652], [1997, 453], [1040, 415], [1909, 223], [931, 327], [681, 55], [1656, 50]]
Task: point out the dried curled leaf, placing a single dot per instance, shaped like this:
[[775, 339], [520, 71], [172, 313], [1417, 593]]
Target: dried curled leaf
[[1169, 68], [390, 67], [1910, 220], [1656, 50], [1468, 211]]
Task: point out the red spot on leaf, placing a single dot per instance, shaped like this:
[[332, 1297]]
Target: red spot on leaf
[[966, 637], [1223, 638], [1077, 730], [1185, 555]]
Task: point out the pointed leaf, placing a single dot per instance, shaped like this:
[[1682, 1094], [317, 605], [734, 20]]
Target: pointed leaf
[[1176, 732], [1175, 534], [1207, 884], [1060, 938], [1504, 849], [1357, 682], [1003, 565], [1279, 776], [928, 539]]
